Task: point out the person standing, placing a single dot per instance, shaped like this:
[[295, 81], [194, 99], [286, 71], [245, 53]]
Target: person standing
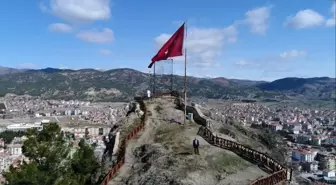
[[148, 94], [196, 146]]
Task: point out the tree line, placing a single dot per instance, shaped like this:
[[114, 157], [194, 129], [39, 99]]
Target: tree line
[[8, 135]]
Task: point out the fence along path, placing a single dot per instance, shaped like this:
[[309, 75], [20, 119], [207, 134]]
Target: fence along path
[[279, 174], [122, 150]]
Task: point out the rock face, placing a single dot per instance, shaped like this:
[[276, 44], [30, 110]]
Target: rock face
[[118, 112], [131, 107]]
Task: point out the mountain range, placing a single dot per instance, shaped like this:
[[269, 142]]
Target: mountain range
[[123, 84]]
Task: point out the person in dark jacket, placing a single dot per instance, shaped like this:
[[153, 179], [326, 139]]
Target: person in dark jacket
[[196, 146]]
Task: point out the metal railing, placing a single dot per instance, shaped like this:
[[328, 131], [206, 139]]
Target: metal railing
[[122, 151], [279, 173]]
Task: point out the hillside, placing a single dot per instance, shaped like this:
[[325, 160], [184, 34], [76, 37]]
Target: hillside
[[322, 87], [123, 84], [116, 84], [8, 70], [162, 154]]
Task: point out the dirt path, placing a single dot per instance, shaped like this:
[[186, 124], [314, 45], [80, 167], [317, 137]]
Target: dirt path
[[144, 137], [241, 177]]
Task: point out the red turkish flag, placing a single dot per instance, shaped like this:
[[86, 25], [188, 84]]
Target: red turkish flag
[[172, 48]]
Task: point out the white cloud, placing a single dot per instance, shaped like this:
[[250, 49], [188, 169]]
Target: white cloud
[[27, 66], [204, 45], [60, 27], [61, 66], [242, 63], [258, 19], [292, 54], [105, 52], [79, 10], [273, 62], [100, 37], [305, 19], [264, 66], [332, 20]]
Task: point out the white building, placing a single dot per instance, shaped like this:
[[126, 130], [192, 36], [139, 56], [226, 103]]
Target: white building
[[5, 161], [15, 149], [44, 121], [24, 126], [275, 126], [329, 173], [304, 155], [293, 126], [98, 131], [93, 131], [77, 112]]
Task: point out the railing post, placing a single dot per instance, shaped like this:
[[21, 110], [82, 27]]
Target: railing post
[[279, 174], [216, 137]]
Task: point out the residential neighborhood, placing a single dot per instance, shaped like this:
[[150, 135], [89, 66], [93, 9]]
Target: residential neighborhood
[[310, 134], [78, 120]]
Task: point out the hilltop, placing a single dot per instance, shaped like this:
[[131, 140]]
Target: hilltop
[[162, 154], [322, 87], [123, 84]]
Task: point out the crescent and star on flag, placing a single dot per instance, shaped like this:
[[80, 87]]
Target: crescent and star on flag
[[172, 48]]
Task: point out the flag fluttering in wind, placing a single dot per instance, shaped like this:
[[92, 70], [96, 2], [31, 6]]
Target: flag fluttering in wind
[[172, 48]]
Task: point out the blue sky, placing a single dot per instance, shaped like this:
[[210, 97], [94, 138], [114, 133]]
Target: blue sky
[[255, 39]]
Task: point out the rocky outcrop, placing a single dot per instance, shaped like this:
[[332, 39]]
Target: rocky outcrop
[[116, 113]]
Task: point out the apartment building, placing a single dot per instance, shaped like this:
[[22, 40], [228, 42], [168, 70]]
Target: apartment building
[[328, 163], [14, 149], [5, 161], [330, 140], [304, 155], [275, 126]]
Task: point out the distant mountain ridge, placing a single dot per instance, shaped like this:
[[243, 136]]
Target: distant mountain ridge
[[56, 70], [8, 70], [50, 70], [293, 82], [124, 83], [322, 87]]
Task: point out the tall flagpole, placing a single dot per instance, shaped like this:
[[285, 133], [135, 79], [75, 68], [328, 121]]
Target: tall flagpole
[[172, 76], [185, 74]]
